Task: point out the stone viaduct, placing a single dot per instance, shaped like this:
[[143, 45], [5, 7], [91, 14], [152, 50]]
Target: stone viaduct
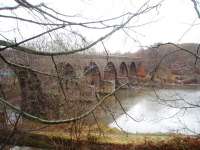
[[108, 70], [98, 74]]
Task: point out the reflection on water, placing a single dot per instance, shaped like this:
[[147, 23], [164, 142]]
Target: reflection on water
[[163, 111]]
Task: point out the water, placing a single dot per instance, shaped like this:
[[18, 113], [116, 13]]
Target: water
[[163, 111]]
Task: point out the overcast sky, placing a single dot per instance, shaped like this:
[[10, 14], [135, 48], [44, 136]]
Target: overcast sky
[[169, 23]]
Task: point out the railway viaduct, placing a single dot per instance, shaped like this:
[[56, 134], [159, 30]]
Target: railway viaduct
[[99, 74], [108, 70]]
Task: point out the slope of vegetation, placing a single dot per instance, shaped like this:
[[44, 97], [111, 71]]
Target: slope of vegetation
[[176, 63], [112, 139]]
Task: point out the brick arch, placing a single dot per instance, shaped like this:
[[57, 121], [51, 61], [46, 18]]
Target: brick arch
[[110, 72], [132, 69], [141, 72], [123, 70], [92, 74]]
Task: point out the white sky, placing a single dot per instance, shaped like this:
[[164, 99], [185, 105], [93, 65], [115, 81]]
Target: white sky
[[170, 22]]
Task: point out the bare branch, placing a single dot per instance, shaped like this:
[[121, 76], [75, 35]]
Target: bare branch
[[11, 45], [10, 8], [170, 53], [59, 79], [53, 122], [195, 7], [11, 134], [25, 67]]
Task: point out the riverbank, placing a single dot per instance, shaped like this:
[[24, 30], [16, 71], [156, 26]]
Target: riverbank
[[106, 138], [113, 140], [167, 85]]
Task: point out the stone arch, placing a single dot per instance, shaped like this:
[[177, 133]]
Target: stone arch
[[92, 79], [123, 70], [132, 70], [92, 73], [110, 72], [67, 74]]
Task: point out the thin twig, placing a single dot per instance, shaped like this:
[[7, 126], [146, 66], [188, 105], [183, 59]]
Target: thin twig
[[9, 138], [59, 79], [53, 122]]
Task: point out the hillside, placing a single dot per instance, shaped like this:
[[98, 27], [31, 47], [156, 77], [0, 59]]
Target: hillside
[[176, 65]]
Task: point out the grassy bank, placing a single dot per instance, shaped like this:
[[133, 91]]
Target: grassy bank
[[109, 139]]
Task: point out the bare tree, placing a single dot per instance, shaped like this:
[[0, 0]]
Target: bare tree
[[56, 36]]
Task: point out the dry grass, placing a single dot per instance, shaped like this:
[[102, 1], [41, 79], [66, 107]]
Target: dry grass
[[59, 137]]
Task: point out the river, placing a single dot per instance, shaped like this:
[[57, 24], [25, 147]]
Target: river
[[162, 111]]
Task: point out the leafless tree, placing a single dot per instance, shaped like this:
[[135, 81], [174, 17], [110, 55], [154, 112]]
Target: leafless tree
[[56, 35]]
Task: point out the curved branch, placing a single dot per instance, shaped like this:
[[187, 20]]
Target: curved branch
[[26, 68], [30, 51], [9, 8], [170, 53], [54, 122], [13, 45], [195, 7]]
